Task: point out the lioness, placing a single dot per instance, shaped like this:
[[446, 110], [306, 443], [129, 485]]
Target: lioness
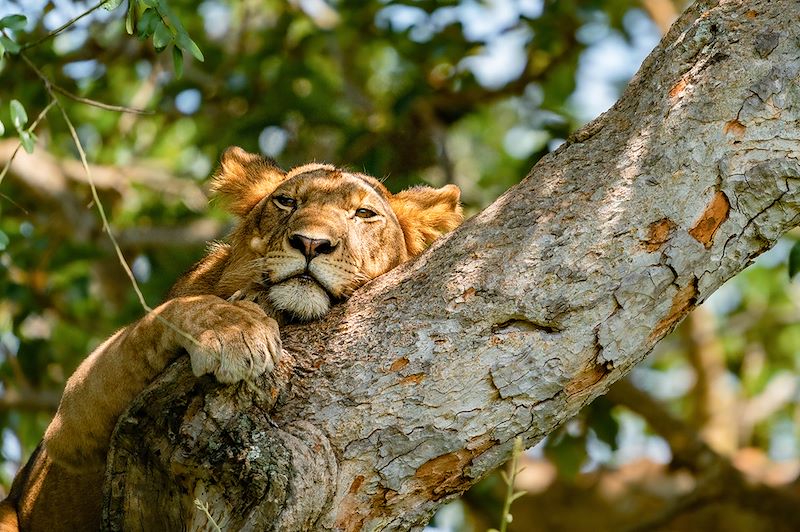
[[307, 238]]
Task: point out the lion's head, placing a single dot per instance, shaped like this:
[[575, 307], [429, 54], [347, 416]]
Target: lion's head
[[311, 236]]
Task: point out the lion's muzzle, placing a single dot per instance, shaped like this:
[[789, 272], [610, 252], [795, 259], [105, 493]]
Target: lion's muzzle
[[312, 247]]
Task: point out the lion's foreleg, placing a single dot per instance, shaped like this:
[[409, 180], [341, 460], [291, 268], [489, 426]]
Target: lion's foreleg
[[234, 341]]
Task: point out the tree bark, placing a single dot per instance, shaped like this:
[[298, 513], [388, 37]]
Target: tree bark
[[414, 389]]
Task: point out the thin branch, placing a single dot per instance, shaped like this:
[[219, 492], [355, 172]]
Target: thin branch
[[19, 145], [106, 226], [52, 87], [688, 448], [203, 507], [14, 203], [63, 26], [716, 413], [100, 209], [101, 105]]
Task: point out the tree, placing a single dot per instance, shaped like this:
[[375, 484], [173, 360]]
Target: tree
[[416, 387]]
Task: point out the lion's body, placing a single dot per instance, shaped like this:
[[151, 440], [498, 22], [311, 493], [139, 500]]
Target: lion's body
[[307, 239]]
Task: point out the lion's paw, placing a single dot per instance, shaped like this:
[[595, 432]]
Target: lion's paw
[[238, 341]]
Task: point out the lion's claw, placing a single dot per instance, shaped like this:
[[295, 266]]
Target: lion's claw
[[238, 342]]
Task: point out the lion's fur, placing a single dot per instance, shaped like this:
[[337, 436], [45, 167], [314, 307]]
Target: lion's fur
[[232, 297]]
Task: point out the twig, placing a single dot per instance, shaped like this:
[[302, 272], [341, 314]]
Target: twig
[[511, 495], [14, 203], [716, 410], [63, 27], [203, 507], [101, 105], [107, 226], [31, 128], [688, 448], [100, 209], [53, 87]]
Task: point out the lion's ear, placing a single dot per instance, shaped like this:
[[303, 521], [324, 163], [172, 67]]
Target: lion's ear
[[426, 213], [243, 179]]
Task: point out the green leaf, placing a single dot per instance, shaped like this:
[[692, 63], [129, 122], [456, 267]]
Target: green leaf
[[130, 16], [10, 46], [167, 14], [2, 49], [184, 41], [162, 36], [28, 140], [111, 5], [4, 240], [14, 22], [794, 260], [18, 115], [177, 61], [147, 24], [2, 128], [151, 3]]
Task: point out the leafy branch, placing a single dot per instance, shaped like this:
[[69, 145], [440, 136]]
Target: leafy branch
[[159, 22], [19, 117], [29, 132], [67, 24]]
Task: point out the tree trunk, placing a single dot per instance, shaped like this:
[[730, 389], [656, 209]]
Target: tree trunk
[[414, 389]]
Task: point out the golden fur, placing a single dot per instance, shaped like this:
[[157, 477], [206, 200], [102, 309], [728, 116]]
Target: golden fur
[[306, 239]]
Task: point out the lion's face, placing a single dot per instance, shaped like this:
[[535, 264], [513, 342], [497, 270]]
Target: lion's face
[[321, 234], [310, 237]]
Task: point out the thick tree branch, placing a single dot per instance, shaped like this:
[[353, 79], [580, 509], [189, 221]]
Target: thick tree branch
[[50, 176], [26, 399], [416, 388], [717, 479]]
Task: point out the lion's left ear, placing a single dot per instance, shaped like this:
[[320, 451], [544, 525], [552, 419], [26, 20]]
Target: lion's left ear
[[426, 213], [243, 179]]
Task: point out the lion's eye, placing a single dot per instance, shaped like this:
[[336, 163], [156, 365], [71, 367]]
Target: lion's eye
[[365, 213], [285, 201]]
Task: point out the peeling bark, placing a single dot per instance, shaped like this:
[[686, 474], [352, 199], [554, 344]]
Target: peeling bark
[[413, 390]]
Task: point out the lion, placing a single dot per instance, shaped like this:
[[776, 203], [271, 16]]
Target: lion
[[306, 240]]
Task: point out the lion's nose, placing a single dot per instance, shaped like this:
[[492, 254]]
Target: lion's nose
[[311, 247]]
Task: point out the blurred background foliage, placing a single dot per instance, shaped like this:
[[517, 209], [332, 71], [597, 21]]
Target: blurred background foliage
[[703, 435]]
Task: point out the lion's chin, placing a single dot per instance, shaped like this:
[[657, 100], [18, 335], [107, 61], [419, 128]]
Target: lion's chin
[[304, 299]]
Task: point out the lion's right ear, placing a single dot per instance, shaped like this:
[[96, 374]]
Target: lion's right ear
[[243, 179]]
